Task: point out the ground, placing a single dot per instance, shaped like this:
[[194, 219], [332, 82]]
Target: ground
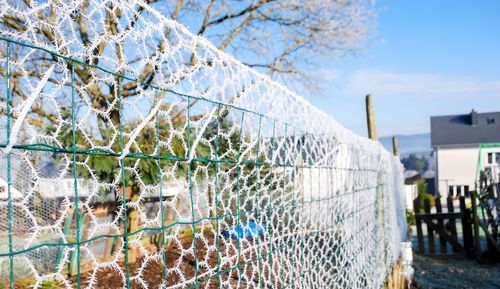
[[153, 273], [454, 273]]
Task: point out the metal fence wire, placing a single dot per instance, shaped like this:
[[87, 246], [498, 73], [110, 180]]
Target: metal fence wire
[[161, 162]]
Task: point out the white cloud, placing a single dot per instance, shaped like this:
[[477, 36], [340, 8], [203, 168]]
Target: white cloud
[[384, 83]]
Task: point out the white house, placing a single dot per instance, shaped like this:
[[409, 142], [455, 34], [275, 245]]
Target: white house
[[455, 140]]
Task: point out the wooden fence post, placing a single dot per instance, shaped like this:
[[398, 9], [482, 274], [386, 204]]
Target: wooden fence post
[[370, 118], [395, 145]]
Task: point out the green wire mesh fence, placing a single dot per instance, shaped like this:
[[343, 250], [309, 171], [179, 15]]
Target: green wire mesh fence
[[127, 164]]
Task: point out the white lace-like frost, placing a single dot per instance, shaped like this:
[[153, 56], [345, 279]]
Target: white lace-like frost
[[331, 201]]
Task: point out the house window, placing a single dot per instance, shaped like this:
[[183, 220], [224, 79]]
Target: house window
[[493, 158], [459, 191], [450, 192], [2, 189]]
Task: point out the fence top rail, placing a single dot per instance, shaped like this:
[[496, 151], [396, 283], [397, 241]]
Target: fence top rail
[[439, 216]]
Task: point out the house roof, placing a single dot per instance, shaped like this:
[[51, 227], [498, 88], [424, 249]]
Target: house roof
[[465, 129], [413, 180]]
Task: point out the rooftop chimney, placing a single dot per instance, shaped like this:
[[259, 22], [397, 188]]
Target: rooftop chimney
[[473, 117]]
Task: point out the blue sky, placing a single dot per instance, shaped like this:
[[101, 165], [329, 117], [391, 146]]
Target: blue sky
[[427, 58]]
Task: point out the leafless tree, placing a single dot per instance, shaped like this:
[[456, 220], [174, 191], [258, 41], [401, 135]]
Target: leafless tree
[[275, 37]]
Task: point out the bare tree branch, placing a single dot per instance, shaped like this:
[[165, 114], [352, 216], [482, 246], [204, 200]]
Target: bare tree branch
[[236, 31], [228, 16]]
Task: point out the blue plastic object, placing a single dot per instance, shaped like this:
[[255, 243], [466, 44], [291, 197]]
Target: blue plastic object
[[245, 230]]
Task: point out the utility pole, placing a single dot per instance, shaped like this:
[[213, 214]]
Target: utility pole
[[370, 118]]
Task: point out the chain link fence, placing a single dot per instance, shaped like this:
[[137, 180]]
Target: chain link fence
[[147, 158]]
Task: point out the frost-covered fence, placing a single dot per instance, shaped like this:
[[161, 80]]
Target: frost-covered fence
[[135, 154]]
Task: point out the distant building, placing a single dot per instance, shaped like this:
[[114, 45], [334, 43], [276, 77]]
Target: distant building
[[411, 187], [455, 140]]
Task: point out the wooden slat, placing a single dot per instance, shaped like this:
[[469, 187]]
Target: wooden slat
[[445, 236], [439, 216], [442, 240], [491, 240], [452, 223], [475, 221], [467, 228], [430, 231], [420, 234]]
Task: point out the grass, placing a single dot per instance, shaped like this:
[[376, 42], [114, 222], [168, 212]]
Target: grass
[[29, 282]]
